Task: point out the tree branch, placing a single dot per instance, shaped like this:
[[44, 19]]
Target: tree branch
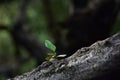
[[88, 63]]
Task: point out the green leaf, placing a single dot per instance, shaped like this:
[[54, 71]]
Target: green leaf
[[62, 55], [50, 45]]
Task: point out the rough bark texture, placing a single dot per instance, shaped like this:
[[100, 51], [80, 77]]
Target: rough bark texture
[[89, 63]]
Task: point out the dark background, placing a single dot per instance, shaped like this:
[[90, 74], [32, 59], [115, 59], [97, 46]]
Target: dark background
[[69, 24]]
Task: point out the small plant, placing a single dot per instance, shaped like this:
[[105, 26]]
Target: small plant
[[52, 47]]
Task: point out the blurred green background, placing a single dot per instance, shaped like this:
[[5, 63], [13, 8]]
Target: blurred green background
[[37, 25]]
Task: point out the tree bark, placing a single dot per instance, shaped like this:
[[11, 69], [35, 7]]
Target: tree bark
[[98, 62]]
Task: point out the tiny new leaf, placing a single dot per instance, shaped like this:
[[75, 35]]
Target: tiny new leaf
[[50, 45]]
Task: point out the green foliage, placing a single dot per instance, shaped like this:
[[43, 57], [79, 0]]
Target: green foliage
[[8, 12], [50, 45], [37, 24], [6, 46]]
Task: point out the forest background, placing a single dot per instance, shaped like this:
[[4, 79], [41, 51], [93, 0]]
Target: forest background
[[25, 25]]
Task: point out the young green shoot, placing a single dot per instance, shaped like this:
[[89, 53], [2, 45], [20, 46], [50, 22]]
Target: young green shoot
[[52, 47]]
